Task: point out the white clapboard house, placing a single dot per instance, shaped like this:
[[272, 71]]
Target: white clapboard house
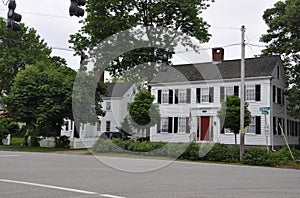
[[115, 104], [190, 95]]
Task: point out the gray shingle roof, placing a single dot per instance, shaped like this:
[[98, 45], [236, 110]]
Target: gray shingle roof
[[254, 67], [117, 89]]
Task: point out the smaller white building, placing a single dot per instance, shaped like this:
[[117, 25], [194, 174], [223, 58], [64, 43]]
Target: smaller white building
[[115, 104]]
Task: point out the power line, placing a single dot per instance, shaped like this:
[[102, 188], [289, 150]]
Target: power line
[[40, 14]]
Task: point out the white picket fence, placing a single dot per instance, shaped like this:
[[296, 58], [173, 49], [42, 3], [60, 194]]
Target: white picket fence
[[83, 142]]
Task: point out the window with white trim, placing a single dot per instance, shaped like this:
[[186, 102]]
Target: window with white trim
[[182, 96], [229, 91], [251, 128], [165, 96], [250, 92], [181, 124], [164, 124], [205, 95], [108, 106]]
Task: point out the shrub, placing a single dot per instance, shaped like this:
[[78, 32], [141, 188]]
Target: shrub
[[62, 142]]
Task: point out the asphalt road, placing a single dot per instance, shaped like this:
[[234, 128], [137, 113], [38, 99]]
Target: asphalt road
[[44, 175]]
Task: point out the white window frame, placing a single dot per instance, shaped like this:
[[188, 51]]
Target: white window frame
[[229, 91], [250, 92], [181, 124], [164, 124], [251, 129], [165, 96], [205, 95], [182, 96], [108, 105]]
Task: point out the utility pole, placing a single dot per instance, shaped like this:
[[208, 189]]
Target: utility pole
[[242, 97]]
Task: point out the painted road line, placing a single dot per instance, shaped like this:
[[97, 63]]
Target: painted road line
[[110, 196], [49, 186], [10, 155]]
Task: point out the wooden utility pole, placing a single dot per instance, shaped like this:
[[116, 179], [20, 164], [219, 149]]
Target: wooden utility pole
[[242, 97]]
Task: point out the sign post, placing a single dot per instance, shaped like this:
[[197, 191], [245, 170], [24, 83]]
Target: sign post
[[265, 111]]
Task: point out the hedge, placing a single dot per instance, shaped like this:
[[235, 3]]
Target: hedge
[[193, 151]]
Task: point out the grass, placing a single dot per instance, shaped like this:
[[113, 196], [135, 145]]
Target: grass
[[17, 145]]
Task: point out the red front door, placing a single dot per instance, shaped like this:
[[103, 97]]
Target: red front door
[[205, 124]]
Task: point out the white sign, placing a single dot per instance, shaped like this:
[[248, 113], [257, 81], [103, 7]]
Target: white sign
[[267, 130]]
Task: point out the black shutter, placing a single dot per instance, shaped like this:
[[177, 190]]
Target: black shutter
[[274, 93], [236, 90], [211, 94], [176, 96], [278, 127], [187, 121], [198, 95], [188, 96], [159, 97], [222, 130], [288, 127], [170, 96], [257, 92], [278, 95], [170, 124], [222, 93], [175, 124], [257, 125], [282, 97], [158, 126]]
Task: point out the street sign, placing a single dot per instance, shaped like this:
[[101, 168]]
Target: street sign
[[265, 112], [264, 108]]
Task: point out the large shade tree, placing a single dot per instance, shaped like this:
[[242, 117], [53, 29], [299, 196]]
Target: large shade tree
[[283, 38], [17, 49], [229, 115], [41, 97], [107, 18]]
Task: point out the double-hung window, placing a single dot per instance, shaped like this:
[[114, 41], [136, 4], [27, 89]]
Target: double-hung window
[[182, 96], [182, 124], [165, 96], [205, 95], [165, 124]]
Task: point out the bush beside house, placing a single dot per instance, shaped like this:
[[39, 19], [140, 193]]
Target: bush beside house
[[190, 151]]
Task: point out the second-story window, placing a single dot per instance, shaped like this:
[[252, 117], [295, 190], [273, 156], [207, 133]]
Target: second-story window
[[182, 95], [108, 106], [165, 96]]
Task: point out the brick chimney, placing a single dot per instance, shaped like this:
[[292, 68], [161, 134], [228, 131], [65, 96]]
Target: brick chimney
[[217, 55]]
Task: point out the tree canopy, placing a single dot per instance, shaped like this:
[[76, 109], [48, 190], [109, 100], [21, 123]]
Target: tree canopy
[[18, 49], [41, 97], [143, 113], [107, 18], [283, 38]]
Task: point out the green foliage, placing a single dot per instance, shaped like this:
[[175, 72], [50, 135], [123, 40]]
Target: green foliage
[[223, 153], [62, 142], [143, 113], [86, 98], [18, 49], [41, 97], [283, 38], [229, 114], [107, 18], [11, 126], [188, 151]]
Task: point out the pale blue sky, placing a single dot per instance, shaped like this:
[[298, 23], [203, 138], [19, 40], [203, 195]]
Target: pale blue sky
[[52, 21]]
